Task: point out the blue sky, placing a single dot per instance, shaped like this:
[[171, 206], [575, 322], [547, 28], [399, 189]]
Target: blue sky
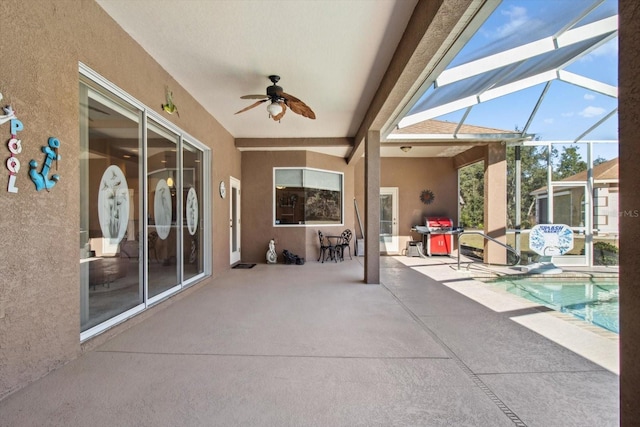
[[567, 110]]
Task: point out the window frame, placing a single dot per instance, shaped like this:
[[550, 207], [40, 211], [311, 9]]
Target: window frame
[[274, 220]]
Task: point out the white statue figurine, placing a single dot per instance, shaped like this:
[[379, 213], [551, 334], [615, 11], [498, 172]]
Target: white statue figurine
[[272, 257]]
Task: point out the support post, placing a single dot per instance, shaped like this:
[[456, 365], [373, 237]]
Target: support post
[[629, 211], [518, 196], [495, 203], [372, 204]]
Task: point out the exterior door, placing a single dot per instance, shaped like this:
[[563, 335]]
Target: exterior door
[[234, 220], [570, 205], [389, 220]]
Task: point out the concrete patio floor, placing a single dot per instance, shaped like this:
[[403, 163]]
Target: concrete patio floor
[[311, 345]]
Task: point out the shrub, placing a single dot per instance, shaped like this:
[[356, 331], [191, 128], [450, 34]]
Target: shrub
[[605, 253]]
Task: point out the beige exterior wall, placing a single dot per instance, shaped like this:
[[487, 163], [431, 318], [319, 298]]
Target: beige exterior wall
[[39, 272], [495, 203], [411, 176], [257, 204]]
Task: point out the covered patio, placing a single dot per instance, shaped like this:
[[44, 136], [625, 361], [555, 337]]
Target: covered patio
[[424, 344], [310, 345]]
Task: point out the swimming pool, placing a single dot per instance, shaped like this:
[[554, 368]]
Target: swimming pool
[[593, 301]]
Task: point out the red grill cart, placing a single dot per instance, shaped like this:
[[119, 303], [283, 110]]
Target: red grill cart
[[439, 239]]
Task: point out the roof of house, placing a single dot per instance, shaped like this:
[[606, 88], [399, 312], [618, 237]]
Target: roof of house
[[444, 127], [606, 171]]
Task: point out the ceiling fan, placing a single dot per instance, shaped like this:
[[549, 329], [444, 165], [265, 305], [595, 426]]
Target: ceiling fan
[[279, 101]]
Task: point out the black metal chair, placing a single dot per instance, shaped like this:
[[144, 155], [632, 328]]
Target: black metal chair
[[345, 242], [326, 246]]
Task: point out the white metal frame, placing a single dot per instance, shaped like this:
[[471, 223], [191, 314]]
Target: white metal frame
[[182, 137], [394, 247], [234, 228], [607, 28]]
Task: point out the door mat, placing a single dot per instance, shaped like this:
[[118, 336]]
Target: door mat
[[244, 266]]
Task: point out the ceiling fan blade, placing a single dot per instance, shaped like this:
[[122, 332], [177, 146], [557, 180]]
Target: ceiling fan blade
[[255, 104], [253, 97], [279, 116], [298, 106]]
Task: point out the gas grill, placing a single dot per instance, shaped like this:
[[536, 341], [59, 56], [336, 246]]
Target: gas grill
[[437, 235]]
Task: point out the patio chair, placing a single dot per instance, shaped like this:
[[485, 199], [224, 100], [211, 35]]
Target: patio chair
[[345, 242], [326, 246]]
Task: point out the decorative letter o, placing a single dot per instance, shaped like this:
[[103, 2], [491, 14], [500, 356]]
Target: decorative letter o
[[13, 164], [15, 145]]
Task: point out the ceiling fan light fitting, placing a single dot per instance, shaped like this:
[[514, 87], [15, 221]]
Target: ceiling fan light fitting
[[274, 108], [406, 148]]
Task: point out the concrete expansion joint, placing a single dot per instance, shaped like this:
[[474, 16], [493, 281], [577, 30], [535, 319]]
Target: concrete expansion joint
[[573, 371], [277, 356], [473, 376]]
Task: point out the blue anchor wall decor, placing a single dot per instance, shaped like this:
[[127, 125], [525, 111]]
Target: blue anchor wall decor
[[40, 178]]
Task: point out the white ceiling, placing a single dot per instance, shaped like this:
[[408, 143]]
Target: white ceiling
[[330, 54]]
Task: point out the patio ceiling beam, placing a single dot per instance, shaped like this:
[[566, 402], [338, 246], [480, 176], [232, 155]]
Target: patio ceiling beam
[[507, 89], [478, 98], [493, 62], [537, 107], [440, 110], [461, 122], [293, 142], [588, 83], [598, 123], [585, 32], [581, 16], [519, 85], [452, 143], [452, 139], [527, 51]]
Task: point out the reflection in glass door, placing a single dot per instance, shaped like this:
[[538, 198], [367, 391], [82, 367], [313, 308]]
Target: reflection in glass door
[[389, 220], [162, 197], [193, 213], [110, 256]]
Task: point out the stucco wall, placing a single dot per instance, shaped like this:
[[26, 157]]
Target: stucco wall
[[257, 204], [411, 176], [39, 273]]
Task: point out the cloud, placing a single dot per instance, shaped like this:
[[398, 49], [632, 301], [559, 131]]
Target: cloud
[[548, 121], [592, 112], [589, 97], [518, 18], [567, 114], [607, 50]]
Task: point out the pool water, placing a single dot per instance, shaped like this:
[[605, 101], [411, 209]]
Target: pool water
[[594, 302]]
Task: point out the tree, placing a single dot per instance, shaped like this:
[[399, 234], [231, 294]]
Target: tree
[[570, 164], [472, 194], [600, 160], [533, 165]]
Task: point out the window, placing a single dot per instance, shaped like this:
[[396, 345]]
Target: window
[[307, 196], [143, 206]]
